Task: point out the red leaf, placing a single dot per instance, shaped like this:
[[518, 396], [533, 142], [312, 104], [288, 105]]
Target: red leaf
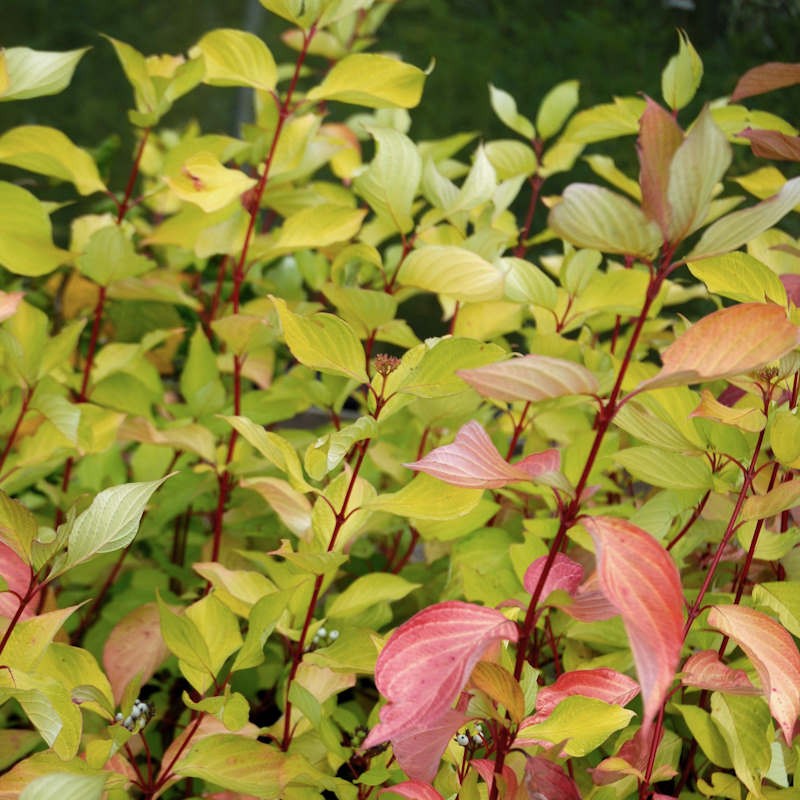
[[705, 671], [603, 684], [414, 790], [659, 138], [472, 461], [589, 604], [17, 575], [728, 342], [485, 769], [792, 285], [635, 754], [135, 646], [424, 667], [638, 576], [773, 653], [546, 780], [565, 574], [773, 144], [530, 378], [766, 78]]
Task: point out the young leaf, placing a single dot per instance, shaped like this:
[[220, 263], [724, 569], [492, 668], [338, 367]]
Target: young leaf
[[705, 671], [601, 683], [638, 576], [772, 652], [237, 58], [765, 78], [682, 75], [530, 378], [319, 226], [36, 73], [49, 152], [565, 575], [110, 522], [323, 342], [729, 342], [372, 80], [597, 218], [472, 461]]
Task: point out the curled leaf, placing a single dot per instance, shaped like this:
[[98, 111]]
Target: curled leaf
[[705, 671], [565, 574]]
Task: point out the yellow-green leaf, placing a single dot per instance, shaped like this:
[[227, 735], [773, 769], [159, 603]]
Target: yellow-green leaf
[[319, 226], [26, 238], [428, 498], [505, 106], [682, 75], [499, 684], [35, 73], [49, 152], [782, 497], [740, 277], [237, 58], [110, 256], [556, 107], [364, 592], [204, 181], [372, 80]]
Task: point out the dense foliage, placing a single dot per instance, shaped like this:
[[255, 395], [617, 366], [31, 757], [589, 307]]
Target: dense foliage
[[260, 537]]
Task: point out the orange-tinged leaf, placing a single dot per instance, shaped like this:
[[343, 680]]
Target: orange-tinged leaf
[[472, 461], [640, 578], [746, 419], [704, 670], [659, 138], [773, 653], [773, 144], [499, 684], [729, 342], [766, 78], [781, 498], [530, 378], [602, 683]]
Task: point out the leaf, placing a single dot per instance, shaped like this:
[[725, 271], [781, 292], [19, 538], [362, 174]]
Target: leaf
[[499, 684], [772, 652], [706, 734], [530, 378], [738, 227], [110, 256], [363, 592], [452, 271], [323, 342], [65, 786], [293, 507], [237, 58], [425, 665], [319, 226], [781, 498], [638, 576], [783, 598], [372, 80], [597, 218], [601, 683], [204, 181], [134, 648], [565, 574], [526, 283], [49, 152], [36, 73], [18, 526], [682, 75], [110, 522], [705, 670], [666, 469], [555, 108], [472, 461], [414, 790], [765, 78], [773, 144], [26, 235], [425, 498], [548, 779], [740, 277], [17, 577], [729, 342], [505, 106]]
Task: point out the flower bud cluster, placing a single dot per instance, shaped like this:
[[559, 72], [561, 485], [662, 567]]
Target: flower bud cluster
[[141, 714]]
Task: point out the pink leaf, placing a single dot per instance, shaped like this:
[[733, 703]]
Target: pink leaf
[[472, 461], [705, 671], [766, 78], [17, 575], [638, 576], [530, 378], [728, 342], [631, 759], [603, 684], [773, 653], [9, 303], [134, 647], [589, 604], [792, 285], [414, 790], [565, 574], [425, 665], [546, 780], [773, 144], [485, 769]]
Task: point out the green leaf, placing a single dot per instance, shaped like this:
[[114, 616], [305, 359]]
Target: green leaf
[[784, 436], [372, 80], [186, 642], [781, 498], [606, 121], [784, 599], [110, 256], [667, 469], [218, 627], [237, 58], [111, 521], [36, 73], [392, 179], [740, 277], [26, 235], [356, 650], [323, 342], [452, 271], [262, 620], [527, 283], [556, 107], [511, 158], [682, 75], [77, 671], [377, 587], [426, 497], [18, 527], [706, 734], [200, 383], [231, 709], [49, 152], [745, 725], [329, 451], [319, 226], [505, 106]]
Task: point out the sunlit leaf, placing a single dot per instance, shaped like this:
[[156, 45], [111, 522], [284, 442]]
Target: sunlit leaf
[[237, 58], [111, 256], [36, 73], [499, 684], [746, 419], [204, 181], [555, 108], [18, 526], [740, 277], [781, 498], [426, 498], [682, 75], [377, 587], [505, 106]]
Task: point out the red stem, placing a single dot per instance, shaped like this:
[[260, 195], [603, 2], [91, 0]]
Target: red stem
[[26, 399]]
